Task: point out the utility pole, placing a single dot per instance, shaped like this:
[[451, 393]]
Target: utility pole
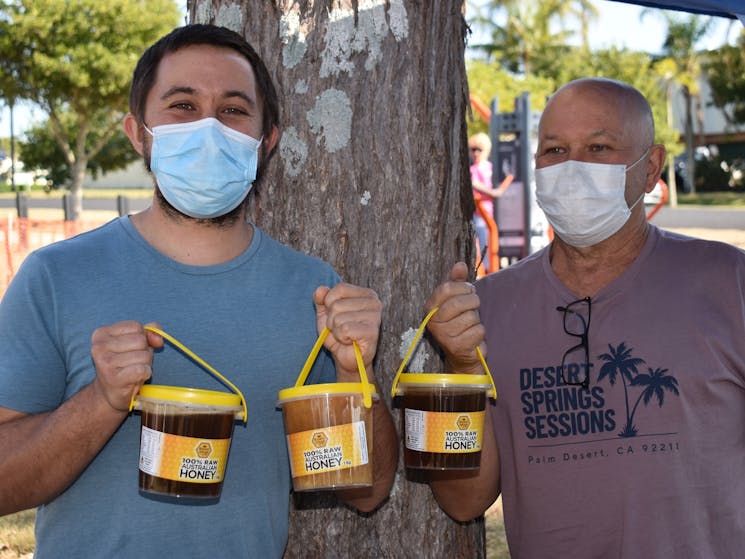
[[11, 102], [672, 188]]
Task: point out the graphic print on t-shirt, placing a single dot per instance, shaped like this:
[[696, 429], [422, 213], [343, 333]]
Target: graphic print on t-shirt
[[654, 384], [557, 415]]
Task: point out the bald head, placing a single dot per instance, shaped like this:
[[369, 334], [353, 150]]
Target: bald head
[[616, 98], [597, 121]]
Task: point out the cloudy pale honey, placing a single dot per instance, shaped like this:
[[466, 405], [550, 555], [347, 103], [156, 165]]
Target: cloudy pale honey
[[329, 440]]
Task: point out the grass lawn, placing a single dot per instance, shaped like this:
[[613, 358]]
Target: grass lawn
[[727, 199], [496, 540], [17, 534]]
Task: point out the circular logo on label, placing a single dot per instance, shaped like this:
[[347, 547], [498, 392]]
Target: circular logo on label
[[463, 423], [203, 449], [319, 439]]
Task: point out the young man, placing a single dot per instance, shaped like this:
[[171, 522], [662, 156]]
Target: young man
[[204, 117], [618, 357]]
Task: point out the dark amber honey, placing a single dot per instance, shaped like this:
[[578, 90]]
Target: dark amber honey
[[210, 425], [451, 400]]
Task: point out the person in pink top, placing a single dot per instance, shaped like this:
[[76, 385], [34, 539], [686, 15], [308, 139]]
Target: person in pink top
[[479, 147], [618, 354]]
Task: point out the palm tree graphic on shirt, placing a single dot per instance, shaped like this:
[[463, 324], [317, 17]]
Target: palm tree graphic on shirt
[[619, 362]]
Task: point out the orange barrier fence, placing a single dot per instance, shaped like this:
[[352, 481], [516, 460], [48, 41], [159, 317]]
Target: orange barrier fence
[[663, 199], [492, 247], [21, 236], [480, 107]]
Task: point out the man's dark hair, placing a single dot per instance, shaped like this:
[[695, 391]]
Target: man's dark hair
[[200, 34]]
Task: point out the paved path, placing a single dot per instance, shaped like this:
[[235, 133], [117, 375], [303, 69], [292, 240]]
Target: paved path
[[700, 216]]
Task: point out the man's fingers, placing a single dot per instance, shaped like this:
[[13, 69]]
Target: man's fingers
[[459, 272], [154, 339]]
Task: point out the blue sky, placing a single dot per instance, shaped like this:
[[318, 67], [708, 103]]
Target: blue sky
[[618, 25]]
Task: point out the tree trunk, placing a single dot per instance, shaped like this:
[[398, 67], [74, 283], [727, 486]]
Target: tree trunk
[[672, 183], [372, 176], [690, 147], [77, 176]]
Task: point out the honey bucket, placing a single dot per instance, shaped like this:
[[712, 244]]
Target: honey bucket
[[329, 429], [443, 414], [185, 436]]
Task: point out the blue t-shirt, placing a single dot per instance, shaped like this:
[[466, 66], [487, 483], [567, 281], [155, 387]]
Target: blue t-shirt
[[252, 319]]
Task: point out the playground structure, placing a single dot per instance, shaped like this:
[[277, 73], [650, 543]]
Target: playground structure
[[518, 227]]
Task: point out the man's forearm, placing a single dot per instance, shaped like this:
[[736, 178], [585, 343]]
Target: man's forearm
[[44, 454], [465, 495], [385, 460]]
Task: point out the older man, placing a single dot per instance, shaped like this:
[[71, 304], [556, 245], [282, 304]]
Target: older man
[[618, 354]]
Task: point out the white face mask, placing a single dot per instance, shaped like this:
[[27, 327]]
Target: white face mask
[[585, 203]]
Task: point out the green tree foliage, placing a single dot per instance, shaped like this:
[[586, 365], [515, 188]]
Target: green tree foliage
[[74, 58], [42, 151], [488, 79], [531, 53], [534, 34], [725, 69]]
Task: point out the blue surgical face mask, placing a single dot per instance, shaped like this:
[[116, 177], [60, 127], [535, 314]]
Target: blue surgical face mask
[[204, 169]]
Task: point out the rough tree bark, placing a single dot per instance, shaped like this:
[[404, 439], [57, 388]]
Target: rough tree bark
[[372, 176]]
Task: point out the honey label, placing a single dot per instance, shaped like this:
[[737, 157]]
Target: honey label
[[444, 432], [178, 458], [328, 449]]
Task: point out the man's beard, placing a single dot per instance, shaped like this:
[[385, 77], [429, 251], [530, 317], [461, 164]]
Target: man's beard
[[222, 221]]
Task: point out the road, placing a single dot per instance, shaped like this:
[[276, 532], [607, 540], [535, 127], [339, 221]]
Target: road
[[135, 204]]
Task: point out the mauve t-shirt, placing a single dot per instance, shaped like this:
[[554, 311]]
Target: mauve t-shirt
[[649, 462]]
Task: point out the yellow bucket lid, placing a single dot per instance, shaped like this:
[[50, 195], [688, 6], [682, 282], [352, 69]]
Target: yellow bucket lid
[[309, 390], [184, 395], [444, 380]]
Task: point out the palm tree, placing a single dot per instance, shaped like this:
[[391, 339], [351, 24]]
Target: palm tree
[[586, 13], [656, 382], [527, 37], [620, 363], [680, 47]]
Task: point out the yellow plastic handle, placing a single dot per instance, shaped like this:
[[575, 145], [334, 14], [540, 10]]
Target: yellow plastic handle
[[202, 362], [305, 371], [415, 341]]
